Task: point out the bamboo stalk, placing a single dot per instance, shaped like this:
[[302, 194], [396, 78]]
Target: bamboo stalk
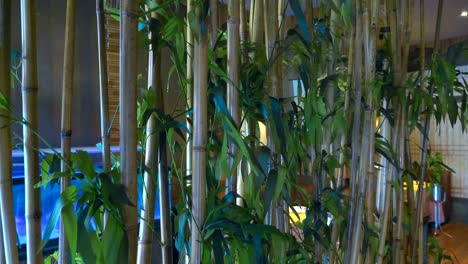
[[386, 175], [67, 106], [243, 24], [425, 137], [398, 193], [128, 115], [103, 89], [152, 161], [214, 22], [189, 88], [199, 156], [233, 70], [9, 251], [355, 226], [164, 198], [257, 22], [30, 139], [2, 246]]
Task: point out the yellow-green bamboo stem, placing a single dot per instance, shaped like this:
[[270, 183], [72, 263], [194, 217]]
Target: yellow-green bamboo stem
[[128, 115], [67, 106], [200, 123], [233, 56], [30, 139], [103, 90], [8, 228]]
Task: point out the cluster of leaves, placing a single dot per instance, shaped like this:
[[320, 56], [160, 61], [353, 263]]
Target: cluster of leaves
[[82, 207]]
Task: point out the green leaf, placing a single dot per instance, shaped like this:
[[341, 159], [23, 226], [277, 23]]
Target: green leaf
[[112, 238], [71, 228], [452, 110], [4, 105], [67, 197], [82, 162], [347, 13], [300, 17]]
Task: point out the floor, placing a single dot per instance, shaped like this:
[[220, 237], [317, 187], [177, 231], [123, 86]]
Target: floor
[[454, 241]]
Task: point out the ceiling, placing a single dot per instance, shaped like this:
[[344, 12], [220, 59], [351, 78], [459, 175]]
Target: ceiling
[[452, 24]]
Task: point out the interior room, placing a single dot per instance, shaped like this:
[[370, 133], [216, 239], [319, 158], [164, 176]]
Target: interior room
[[233, 131]]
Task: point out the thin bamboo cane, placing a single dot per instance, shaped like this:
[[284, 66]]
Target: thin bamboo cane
[[128, 115], [2, 246], [164, 198], [67, 106], [425, 136], [9, 253], [388, 171], [145, 240], [199, 156], [213, 22], [103, 90], [189, 88], [355, 226], [244, 36], [30, 139], [243, 26], [233, 56], [398, 196]]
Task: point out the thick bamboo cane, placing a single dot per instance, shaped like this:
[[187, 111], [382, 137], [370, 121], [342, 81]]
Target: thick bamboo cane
[[233, 56], [199, 156], [67, 106], [164, 198], [30, 139], [145, 241], [257, 22], [128, 115], [103, 90], [8, 241]]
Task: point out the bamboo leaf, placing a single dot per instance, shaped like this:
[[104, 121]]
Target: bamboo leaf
[[67, 197], [300, 17], [71, 228], [112, 238], [82, 162]]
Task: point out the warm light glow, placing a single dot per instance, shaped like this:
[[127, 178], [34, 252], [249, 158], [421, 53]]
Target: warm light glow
[[263, 133], [301, 212], [464, 14]]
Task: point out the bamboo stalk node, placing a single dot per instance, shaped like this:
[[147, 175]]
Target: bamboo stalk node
[[66, 133]]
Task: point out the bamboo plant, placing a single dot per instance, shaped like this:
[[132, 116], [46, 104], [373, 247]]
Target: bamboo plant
[[128, 115], [66, 124], [199, 133], [103, 87], [9, 250], [30, 139]]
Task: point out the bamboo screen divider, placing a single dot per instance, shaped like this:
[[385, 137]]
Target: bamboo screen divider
[[112, 43]]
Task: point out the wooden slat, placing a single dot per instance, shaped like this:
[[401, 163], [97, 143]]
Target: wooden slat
[[112, 43]]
